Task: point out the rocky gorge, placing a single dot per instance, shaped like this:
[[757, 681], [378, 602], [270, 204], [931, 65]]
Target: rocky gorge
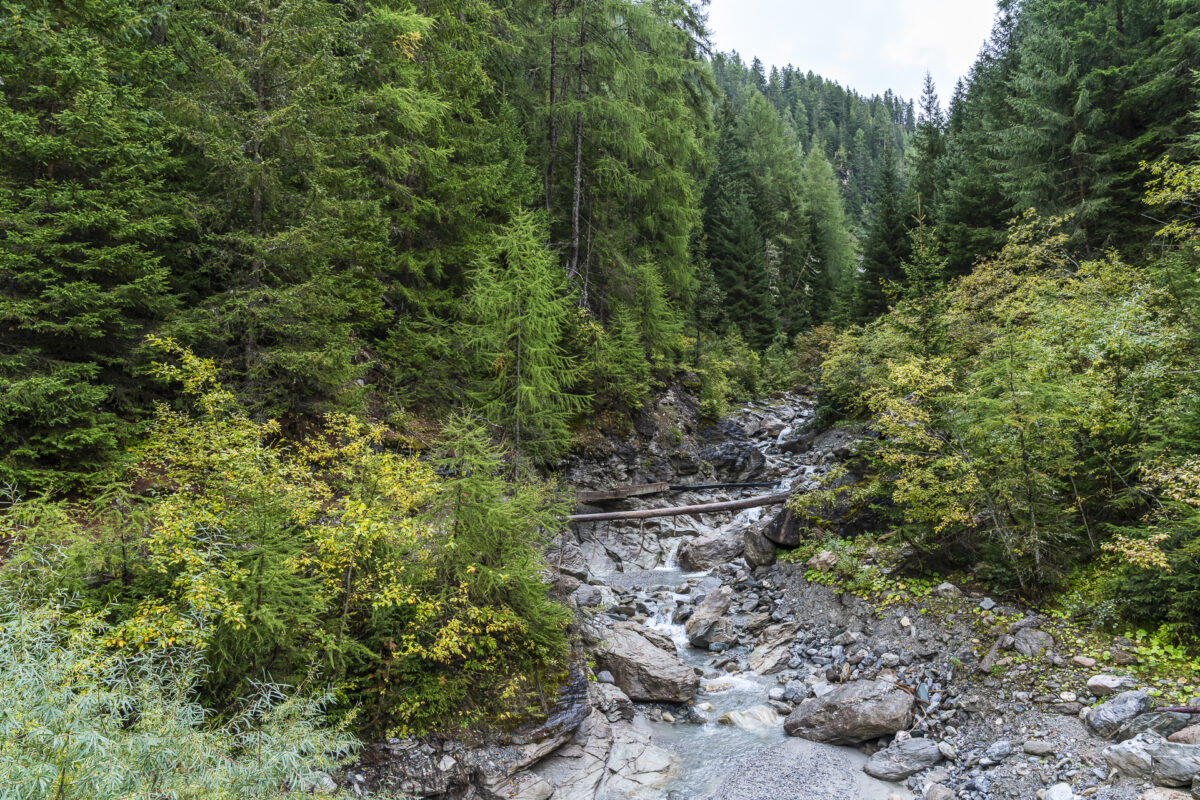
[[708, 668]]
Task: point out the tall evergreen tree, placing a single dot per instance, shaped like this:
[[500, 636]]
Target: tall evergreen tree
[[925, 154], [85, 217], [886, 246]]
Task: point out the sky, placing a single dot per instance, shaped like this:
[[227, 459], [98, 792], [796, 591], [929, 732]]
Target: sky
[[867, 45]]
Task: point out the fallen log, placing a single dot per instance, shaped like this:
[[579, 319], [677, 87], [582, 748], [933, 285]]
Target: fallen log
[[679, 511], [1180, 709]]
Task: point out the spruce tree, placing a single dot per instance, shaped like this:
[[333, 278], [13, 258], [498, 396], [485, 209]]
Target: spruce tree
[[86, 214], [925, 154], [886, 245], [516, 319]]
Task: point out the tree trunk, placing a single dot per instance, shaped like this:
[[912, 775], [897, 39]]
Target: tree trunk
[[573, 272], [553, 133]]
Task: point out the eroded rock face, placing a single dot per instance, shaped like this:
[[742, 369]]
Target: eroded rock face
[[711, 549], [1109, 717], [644, 665], [852, 713], [902, 759], [607, 761], [708, 623]]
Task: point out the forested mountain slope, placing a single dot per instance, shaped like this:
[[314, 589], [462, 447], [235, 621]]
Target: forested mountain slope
[[302, 304]]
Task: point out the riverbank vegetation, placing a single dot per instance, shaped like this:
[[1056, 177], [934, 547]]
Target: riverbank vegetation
[[303, 301]]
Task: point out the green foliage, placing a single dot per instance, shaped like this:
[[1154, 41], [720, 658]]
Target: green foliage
[[86, 214], [333, 552], [81, 720], [517, 318], [1019, 426]]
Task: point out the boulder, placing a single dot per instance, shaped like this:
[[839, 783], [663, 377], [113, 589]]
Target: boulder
[[1110, 716], [711, 549], [587, 596], [1164, 723], [902, 759], [1104, 685], [757, 549], [1134, 757], [784, 530], [709, 622], [1175, 764], [760, 719], [1159, 793], [644, 664], [936, 791], [1038, 748], [852, 713], [610, 701], [1031, 642], [1060, 791], [823, 561], [773, 651], [1189, 735]]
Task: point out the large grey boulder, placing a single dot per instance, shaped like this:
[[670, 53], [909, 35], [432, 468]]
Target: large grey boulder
[[902, 759], [784, 529], [709, 623], [1032, 642], [1164, 723], [711, 549], [644, 664], [1134, 757], [1110, 716], [758, 550], [852, 713], [1175, 764], [1105, 685]]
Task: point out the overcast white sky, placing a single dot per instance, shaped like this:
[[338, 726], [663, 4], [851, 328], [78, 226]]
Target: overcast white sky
[[866, 45]]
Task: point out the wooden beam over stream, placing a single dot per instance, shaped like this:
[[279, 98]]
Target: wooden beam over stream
[[679, 511]]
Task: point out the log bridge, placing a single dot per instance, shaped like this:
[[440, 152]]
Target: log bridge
[[641, 490]]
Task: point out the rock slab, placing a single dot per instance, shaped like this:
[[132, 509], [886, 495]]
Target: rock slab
[[902, 759], [852, 713], [644, 665]]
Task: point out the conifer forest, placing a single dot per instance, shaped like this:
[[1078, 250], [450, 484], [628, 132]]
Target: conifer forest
[[316, 315]]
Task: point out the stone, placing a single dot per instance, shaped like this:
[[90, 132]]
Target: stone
[[947, 590], [904, 758], [823, 561], [708, 622], [852, 713], [773, 651], [1084, 661], [587, 596], [1038, 749], [1133, 757], [604, 676], [1105, 685], [999, 750], [784, 529], [1164, 723], [987, 604], [610, 701], [644, 664], [760, 719], [1110, 716], [607, 760], [1159, 793], [936, 791], [711, 549], [757, 549], [1060, 791], [1189, 735], [1031, 642], [1175, 764]]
